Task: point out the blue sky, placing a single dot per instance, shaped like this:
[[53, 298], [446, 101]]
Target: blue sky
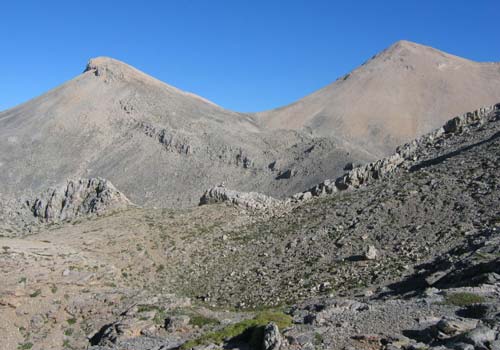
[[243, 55]]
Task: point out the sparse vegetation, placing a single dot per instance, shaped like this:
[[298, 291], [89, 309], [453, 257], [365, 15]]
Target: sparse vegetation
[[36, 293], [250, 329], [160, 315], [200, 320], [318, 339], [463, 299]]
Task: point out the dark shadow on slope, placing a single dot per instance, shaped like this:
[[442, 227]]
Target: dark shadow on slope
[[105, 335], [459, 267], [421, 336], [354, 258], [440, 159]]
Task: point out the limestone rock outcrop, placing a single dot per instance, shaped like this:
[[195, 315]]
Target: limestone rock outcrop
[[408, 154], [77, 198], [248, 200], [406, 157]]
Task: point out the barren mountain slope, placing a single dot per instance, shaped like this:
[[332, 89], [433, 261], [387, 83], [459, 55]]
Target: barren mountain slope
[[355, 269], [157, 144], [399, 94]]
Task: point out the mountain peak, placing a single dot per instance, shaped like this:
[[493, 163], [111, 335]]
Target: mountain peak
[[112, 69], [408, 46], [101, 62], [405, 43]]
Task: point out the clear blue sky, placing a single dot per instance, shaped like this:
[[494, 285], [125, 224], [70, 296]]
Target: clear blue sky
[[244, 55]]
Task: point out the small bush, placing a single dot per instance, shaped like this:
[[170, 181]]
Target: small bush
[[160, 316], [252, 329], [200, 320], [463, 299], [36, 293], [146, 308]]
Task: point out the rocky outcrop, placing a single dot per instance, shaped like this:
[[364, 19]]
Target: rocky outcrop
[[77, 198], [408, 154], [247, 200], [272, 337], [169, 140], [406, 157]]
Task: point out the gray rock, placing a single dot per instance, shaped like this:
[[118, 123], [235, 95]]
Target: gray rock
[[77, 198], [272, 338], [480, 337], [453, 326], [371, 253], [247, 200], [174, 323]]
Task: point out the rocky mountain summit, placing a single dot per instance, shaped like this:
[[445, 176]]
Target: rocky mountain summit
[[163, 147], [396, 254], [159, 145], [397, 95], [313, 231]]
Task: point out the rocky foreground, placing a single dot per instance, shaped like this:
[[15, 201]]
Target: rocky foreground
[[402, 253]]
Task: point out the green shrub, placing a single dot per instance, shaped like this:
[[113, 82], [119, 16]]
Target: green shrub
[[463, 299], [200, 320], [36, 293], [251, 330]]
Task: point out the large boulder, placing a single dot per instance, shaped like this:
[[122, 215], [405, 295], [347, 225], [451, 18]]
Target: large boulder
[[247, 200], [77, 198], [272, 337]]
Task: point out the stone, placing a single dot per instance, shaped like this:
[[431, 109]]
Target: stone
[[479, 336], [247, 200], [77, 198], [272, 338], [349, 166], [452, 326], [371, 253], [287, 174], [495, 345], [174, 323], [463, 346]]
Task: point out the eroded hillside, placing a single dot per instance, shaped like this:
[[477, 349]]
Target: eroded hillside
[[374, 266]]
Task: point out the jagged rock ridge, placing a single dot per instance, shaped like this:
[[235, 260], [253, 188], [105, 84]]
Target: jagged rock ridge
[[405, 157]]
